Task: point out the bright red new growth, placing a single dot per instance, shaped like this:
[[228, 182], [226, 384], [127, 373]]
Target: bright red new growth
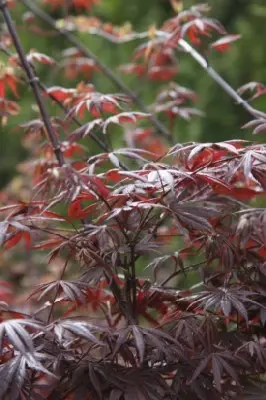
[[223, 44]]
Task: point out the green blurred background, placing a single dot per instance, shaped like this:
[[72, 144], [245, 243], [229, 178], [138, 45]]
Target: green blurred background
[[243, 63]]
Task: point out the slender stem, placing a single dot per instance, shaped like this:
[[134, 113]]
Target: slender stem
[[133, 283], [88, 53], [127, 289], [33, 81], [215, 76], [56, 292], [118, 296]]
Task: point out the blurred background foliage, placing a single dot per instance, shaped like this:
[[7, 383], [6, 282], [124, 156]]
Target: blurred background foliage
[[244, 62]]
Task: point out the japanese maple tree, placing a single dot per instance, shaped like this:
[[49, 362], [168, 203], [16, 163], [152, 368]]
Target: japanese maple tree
[[146, 262]]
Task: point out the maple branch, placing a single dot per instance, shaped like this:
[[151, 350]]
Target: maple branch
[[215, 76], [36, 85], [88, 53], [218, 79], [33, 80], [123, 306], [94, 137]]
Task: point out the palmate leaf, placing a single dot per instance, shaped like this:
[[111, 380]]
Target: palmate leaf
[[250, 160], [20, 338], [186, 198], [134, 153], [186, 329], [257, 87], [223, 44], [85, 130], [76, 329], [176, 93], [19, 225], [192, 216], [202, 154], [14, 372], [13, 230], [37, 126], [251, 228], [8, 107], [12, 375], [99, 159], [226, 299], [220, 364], [172, 109], [256, 351], [116, 382], [67, 290], [126, 117], [200, 389], [60, 93], [160, 262], [164, 346], [142, 384], [39, 57], [200, 26], [98, 103], [253, 391]]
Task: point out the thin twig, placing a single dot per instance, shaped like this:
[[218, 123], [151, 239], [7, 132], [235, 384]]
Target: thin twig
[[205, 65], [88, 53], [214, 75], [133, 282], [57, 291], [217, 78], [33, 80]]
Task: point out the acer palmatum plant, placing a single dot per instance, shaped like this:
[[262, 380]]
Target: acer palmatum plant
[[88, 322]]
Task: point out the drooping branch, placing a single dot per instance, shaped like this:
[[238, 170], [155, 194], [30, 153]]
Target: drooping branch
[[33, 81], [88, 53]]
